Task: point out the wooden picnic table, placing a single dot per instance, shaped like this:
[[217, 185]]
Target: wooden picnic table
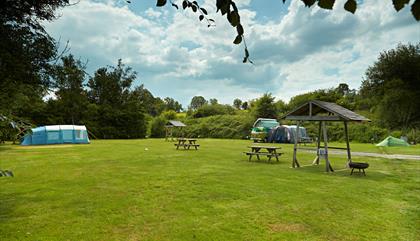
[[187, 143], [271, 151]]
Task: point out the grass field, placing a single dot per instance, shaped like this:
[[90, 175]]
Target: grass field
[[147, 190]]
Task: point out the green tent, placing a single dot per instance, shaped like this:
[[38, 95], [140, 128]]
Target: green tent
[[392, 141]]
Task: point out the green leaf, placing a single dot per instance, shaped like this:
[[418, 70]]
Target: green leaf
[[201, 17], [184, 4], [326, 4], [194, 8], [238, 39], [176, 6], [224, 9], [399, 4], [350, 6], [204, 11], [160, 3], [234, 18], [240, 29], [415, 10], [309, 3]]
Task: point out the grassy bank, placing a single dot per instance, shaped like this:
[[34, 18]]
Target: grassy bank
[[147, 190]]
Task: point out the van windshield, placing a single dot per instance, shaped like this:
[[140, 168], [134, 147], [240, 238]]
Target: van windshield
[[267, 124]]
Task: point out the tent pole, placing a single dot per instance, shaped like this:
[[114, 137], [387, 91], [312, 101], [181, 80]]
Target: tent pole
[[327, 161], [295, 163], [348, 144], [316, 161]]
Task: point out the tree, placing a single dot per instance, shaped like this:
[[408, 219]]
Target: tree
[[213, 101], [281, 107], [171, 104], [71, 96], [216, 109], [158, 127], [391, 85], [343, 89], [153, 106], [237, 103], [265, 107], [26, 54], [119, 113], [244, 105], [111, 86], [197, 102]]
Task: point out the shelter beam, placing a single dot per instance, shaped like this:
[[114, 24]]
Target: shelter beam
[[316, 161], [347, 143], [328, 167], [313, 118], [295, 162]]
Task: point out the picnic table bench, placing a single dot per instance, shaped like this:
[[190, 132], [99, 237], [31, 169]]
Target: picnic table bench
[[271, 152], [187, 143]]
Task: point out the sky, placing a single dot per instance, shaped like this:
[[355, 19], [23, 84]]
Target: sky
[[295, 49]]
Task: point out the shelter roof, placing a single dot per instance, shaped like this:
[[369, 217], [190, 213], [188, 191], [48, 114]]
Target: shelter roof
[[316, 110], [175, 123]]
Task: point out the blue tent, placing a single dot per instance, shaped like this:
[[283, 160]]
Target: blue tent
[[58, 134]]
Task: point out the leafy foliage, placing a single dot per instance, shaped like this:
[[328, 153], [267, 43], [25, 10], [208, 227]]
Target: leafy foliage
[[219, 126], [197, 102], [237, 103], [213, 109], [158, 127], [265, 107], [391, 86]]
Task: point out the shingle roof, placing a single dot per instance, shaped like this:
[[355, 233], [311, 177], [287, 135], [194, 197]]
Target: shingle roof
[[175, 123], [322, 107]]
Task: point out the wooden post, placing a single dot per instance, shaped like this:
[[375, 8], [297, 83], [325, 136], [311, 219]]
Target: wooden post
[[348, 144], [295, 162], [310, 108], [327, 161], [316, 161]]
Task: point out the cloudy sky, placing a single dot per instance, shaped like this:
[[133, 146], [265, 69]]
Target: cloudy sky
[[295, 49]]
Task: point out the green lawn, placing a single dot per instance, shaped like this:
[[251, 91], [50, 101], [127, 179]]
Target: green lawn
[[363, 147], [119, 190]]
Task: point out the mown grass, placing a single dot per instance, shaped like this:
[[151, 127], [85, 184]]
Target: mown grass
[[147, 190], [365, 147]]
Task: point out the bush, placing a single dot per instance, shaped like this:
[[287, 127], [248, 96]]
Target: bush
[[359, 132], [413, 136], [212, 110], [220, 126], [169, 115], [158, 127]]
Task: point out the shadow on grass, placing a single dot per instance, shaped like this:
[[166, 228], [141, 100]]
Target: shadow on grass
[[261, 161], [371, 174], [8, 204], [5, 147]]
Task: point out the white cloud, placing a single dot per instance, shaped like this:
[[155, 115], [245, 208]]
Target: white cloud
[[150, 12], [177, 55]]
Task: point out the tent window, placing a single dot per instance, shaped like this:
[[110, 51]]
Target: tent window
[[53, 135], [79, 134]]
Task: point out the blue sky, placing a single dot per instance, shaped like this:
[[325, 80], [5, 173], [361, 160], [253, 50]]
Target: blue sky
[[295, 49]]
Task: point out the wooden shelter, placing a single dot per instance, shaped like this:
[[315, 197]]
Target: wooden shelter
[[322, 112], [169, 127]]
